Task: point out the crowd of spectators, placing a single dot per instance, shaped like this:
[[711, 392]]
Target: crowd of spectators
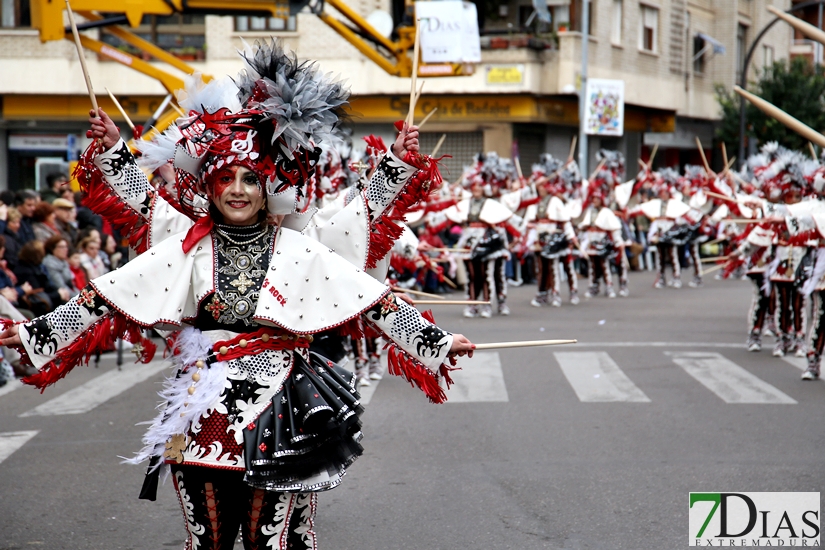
[[51, 245]]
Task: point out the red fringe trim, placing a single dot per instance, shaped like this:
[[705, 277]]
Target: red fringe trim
[[99, 337], [401, 364], [357, 329], [386, 230], [106, 203]]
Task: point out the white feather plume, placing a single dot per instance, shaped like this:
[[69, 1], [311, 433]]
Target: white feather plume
[[160, 150], [210, 96], [180, 410]]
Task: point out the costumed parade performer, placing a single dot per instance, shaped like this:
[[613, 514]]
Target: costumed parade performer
[[254, 424]]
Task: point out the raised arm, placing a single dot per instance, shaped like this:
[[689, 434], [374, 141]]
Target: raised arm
[[120, 192]]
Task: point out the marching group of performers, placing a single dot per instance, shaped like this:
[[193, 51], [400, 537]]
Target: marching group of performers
[[767, 222]]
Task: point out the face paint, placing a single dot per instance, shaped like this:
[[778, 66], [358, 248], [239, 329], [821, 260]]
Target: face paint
[[237, 194]]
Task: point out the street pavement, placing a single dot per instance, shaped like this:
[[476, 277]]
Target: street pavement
[[589, 446]]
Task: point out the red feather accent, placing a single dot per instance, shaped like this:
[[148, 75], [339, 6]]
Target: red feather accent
[[376, 143], [99, 337], [106, 203], [386, 229]]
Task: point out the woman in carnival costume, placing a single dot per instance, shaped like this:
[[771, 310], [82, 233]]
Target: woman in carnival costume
[[254, 423]]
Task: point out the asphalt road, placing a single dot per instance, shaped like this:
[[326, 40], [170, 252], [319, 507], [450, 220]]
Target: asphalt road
[[593, 446]]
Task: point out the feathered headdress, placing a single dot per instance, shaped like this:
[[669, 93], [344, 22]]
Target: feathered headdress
[[270, 119]]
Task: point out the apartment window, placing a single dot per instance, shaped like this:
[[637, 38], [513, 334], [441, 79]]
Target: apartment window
[[617, 21], [178, 34], [741, 48], [246, 23], [648, 28], [767, 55], [15, 13], [576, 16], [698, 55]]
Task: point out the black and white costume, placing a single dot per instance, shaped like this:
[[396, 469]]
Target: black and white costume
[[253, 424]]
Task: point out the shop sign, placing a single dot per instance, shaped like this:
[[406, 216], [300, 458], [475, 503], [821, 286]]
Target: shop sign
[[505, 74], [38, 142]]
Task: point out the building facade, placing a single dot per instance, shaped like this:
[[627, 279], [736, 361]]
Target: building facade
[[522, 97]]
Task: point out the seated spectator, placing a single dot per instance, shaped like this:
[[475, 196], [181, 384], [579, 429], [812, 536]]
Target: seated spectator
[[81, 279], [26, 201], [66, 219], [57, 264], [46, 295], [13, 244], [57, 183], [90, 257], [44, 222]]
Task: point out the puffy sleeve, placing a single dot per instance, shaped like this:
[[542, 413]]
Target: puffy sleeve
[[120, 192], [419, 348], [364, 230], [57, 342]]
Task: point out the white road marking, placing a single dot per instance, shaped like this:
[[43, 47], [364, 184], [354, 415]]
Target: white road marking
[[729, 381], [734, 345], [11, 441], [98, 390], [595, 378], [10, 386], [367, 392], [480, 379], [799, 362]]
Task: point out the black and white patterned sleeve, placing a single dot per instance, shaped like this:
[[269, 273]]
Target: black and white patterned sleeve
[[45, 336], [390, 177], [405, 326], [125, 178]]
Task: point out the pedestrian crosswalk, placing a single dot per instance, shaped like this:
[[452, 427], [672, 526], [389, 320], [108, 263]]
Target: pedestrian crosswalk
[[98, 390], [595, 377], [729, 381], [11, 441]]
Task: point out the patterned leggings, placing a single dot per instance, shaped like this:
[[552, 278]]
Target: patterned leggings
[[761, 305], [790, 311], [599, 268], [217, 503], [547, 273], [484, 275], [817, 342], [668, 253]]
